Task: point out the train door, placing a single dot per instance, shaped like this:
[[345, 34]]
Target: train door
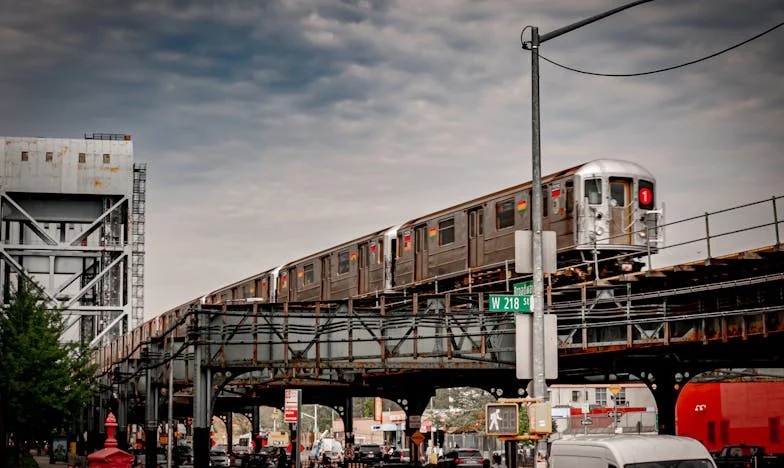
[[326, 277], [293, 284], [476, 231], [363, 263], [420, 252], [620, 210]]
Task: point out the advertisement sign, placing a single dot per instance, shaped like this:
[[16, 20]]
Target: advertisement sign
[[59, 449], [291, 406]]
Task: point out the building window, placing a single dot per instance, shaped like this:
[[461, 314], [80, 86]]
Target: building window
[[593, 191], [107, 158], [711, 432], [308, 276], [82, 158], [620, 399], [25, 155], [504, 214], [601, 396], [343, 263], [446, 231], [49, 156], [575, 396]]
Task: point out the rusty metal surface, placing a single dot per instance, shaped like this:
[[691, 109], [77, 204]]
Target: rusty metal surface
[[726, 312]]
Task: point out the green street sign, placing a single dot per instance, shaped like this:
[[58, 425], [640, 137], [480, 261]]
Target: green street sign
[[510, 303], [526, 288]]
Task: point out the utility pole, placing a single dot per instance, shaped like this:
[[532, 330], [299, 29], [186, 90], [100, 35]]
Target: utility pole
[[539, 387]]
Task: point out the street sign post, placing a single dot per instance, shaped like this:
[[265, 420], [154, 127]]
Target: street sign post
[[501, 419], [509, 303], [291, 408]]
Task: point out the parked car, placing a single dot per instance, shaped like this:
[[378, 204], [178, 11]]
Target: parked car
[[464, 457], [369, 453], [219, 458], [257, 460], [400, 456], [182, 455]]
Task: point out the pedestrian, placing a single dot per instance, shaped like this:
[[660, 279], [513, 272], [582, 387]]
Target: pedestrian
[[496, 461], [282, 462]]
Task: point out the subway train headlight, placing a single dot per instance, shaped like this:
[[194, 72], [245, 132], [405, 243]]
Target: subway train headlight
[[599, 230], [642, 234]]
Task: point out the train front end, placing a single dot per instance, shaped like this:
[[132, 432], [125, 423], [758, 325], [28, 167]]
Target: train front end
[[617, 219]]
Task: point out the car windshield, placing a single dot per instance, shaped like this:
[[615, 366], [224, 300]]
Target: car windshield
[[468, 454]]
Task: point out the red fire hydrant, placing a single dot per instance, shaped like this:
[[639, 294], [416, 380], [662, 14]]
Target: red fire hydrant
[[110, 456]]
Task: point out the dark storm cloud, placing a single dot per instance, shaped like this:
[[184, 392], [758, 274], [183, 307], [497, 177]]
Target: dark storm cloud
[[275, 129]]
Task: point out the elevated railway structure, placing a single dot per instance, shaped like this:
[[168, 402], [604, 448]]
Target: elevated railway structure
[[661, 326]]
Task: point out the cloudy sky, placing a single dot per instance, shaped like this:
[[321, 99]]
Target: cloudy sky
[[273, 129]]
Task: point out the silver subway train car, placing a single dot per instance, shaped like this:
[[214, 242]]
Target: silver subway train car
[[603, 213]]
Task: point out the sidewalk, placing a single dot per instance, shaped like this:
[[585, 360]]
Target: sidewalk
[[43, 462]]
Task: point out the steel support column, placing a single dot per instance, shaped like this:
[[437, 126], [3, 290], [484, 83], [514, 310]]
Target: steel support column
[[201, 398]]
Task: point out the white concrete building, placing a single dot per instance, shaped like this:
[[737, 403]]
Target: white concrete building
[[72, 220]]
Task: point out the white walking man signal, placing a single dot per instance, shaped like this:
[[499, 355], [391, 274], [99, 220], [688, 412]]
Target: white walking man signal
[[495, 416]]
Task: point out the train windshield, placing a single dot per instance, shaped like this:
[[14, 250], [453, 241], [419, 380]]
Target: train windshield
[[593, 191]]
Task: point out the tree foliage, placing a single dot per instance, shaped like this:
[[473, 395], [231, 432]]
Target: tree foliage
[[43, 383]]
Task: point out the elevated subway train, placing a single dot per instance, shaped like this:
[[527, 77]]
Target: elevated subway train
[[603, 208]]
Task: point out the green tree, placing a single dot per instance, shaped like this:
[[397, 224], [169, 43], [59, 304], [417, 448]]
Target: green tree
[[44, 383]]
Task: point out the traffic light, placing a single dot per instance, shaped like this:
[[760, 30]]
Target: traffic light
[[501, 419]]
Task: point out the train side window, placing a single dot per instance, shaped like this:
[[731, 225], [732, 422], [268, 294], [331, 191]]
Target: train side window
[[569, 196], [504, 214], [446, 231], [343, 263], [545, 201], [308, 275], [380, 251], [481, 222], [593, 191]]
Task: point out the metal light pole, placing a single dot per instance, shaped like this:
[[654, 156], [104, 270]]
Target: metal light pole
[[539, 387], [170, 432]]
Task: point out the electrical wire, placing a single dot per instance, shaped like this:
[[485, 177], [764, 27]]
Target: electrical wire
[[660, 70]]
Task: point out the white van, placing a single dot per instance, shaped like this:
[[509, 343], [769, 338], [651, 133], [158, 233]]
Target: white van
[[629, 451]]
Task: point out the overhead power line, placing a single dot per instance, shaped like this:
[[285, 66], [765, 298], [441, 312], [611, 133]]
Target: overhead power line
[[651, 72]]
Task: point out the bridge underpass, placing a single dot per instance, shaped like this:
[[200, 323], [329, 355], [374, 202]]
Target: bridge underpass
[[663, 327]]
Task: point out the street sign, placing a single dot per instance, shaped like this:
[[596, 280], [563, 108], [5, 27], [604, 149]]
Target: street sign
[[414, 422], [291, 406], [510, 303], [615, 389], [586, 422], [501, 419], [417, 437], [524, 351], [526, 288]]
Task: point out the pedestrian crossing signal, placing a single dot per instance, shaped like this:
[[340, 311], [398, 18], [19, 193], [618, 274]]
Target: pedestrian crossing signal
[[501, 419]]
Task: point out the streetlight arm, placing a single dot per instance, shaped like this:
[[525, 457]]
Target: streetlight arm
[[587, 21]]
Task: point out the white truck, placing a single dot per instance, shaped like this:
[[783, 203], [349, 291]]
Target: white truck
[[629, 451]]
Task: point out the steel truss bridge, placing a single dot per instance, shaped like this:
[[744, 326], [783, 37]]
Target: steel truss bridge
[[662, 326]]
